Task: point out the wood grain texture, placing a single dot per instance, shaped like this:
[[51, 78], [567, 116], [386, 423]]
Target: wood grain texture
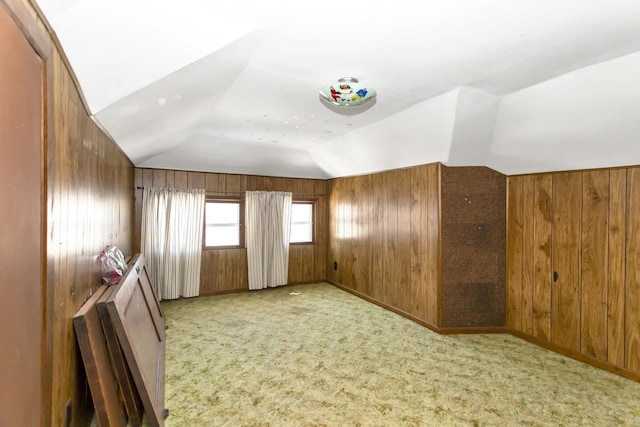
[[632, 291], [110, 410], [595, 263], [133, 309], [224, 271], [431, 244], [528, 245], [617, 249], [542, 273], [418, 228], [515, 197], [392, 222], [586, 228], [565, 302], [384, 238], [22, 212], [90, 206]]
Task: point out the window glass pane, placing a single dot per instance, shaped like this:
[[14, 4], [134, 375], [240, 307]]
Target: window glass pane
[[222, 220], [222, 235], [301, 223], [300, 233], [301, 212], [222, 213]]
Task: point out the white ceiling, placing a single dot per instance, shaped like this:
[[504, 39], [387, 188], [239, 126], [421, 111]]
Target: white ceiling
[[519, 86]]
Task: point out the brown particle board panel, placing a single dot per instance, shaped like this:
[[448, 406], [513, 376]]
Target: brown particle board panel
[[473, 224], [110, 409], [139, 323], [130, 395]]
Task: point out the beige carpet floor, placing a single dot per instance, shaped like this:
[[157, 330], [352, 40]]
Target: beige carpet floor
[[314, 355]]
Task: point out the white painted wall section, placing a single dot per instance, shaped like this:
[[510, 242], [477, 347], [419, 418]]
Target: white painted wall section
[[418, 135]]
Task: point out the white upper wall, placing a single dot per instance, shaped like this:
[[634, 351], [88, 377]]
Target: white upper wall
[[585, 119], [418, 135]]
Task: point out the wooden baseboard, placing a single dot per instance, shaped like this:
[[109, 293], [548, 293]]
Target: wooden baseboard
[[635, 376], [615, 369], [435, 328]]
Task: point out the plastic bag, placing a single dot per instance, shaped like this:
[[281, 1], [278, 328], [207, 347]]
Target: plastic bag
[[113, 265]]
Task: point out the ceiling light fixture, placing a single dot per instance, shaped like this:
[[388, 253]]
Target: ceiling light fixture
[[347, 92]]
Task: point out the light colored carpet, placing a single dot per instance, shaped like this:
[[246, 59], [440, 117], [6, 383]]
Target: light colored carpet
[[314, 355]]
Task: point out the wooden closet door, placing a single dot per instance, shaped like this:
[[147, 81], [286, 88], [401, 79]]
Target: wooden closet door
[[21, 248], [566, 244]]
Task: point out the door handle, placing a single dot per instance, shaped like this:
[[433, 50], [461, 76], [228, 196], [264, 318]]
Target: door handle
[[555, 276]]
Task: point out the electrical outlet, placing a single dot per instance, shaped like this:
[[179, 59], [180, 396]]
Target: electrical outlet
[[335, 265]]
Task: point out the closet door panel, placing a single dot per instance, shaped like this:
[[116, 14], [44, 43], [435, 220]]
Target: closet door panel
[[565, 299]]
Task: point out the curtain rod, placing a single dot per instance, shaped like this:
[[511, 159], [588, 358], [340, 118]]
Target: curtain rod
[[242, 192]]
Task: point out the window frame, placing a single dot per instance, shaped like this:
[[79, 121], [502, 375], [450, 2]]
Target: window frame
[[311, 202], [241, 222]]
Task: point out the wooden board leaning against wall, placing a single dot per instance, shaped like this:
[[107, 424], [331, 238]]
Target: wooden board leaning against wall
[[573, 243]]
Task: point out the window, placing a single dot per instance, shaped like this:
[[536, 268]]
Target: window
[[224, 221], [301, 222]]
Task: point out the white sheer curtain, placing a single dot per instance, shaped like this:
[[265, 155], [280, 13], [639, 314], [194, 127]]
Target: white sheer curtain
[[171, 241], [268, 226]]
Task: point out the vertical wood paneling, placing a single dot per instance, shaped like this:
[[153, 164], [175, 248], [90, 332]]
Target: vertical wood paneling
[[565, 303], [617, 248], [632, 296], [384, 235], [92, 205], [528, 236], [587, 229], [403, 273], [195, 180], [542, 273], [595, 263], [419, 262], [379, 243], [432, 244], [391, 286], [515, 199], [159, 178]]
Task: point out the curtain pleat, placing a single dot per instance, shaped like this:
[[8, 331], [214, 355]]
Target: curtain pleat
[[172, 224], [268, 227]]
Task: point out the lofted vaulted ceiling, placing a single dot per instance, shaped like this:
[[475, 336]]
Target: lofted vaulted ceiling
[[518, 86]]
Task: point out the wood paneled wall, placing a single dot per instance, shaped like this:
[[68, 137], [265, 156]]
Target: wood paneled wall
[[426, 241], [89, 205], [384, 237], [573, 263], [226, 270]]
